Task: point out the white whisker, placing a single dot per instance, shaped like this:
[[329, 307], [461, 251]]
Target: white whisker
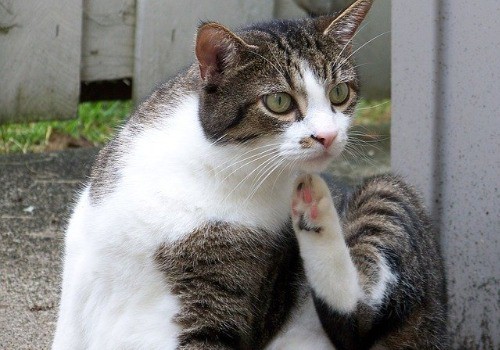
[[359, 48], [247, 177], [272, 169], [264, 154], [373, 106], [233, 161]]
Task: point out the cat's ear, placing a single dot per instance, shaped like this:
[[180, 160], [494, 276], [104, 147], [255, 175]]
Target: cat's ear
[[217, 49], [343, 26]]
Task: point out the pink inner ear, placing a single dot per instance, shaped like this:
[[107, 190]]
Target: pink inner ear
[[211, 46]]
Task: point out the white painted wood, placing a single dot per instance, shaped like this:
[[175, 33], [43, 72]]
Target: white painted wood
[[40, 50], [166, 31], [108, 39]]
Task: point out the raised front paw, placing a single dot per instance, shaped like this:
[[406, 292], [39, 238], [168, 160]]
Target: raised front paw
[[312, 204]]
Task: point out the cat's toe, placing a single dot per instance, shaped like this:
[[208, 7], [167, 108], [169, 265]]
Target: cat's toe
[[311, 203]]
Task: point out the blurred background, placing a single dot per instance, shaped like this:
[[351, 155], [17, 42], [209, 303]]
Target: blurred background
[[71, 71]]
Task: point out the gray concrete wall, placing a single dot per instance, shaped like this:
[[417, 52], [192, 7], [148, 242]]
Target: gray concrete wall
[[446, 139]]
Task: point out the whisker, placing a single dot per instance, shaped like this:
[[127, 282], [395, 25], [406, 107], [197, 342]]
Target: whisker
[[275, 58], [374, 106], [359, 48], [245, 178], [347, 44], [262, 172], [269, 147], [359, 155], [217, 140], [272, 169], [271, 63], [279, 174], [264, 168], [261, 155]]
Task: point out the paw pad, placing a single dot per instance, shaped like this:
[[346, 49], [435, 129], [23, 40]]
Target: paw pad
[[308, 203]]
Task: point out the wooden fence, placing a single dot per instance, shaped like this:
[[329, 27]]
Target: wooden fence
[[56, 53], [47, 48]]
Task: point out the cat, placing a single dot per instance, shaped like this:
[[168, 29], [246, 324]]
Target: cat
[[204, 225]]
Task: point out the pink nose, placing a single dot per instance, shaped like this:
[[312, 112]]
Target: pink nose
[[325, 138]]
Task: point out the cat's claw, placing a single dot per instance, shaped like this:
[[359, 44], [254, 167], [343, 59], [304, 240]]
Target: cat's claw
[[312, 205]]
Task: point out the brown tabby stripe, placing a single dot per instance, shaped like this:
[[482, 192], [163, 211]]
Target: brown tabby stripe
[[236, 285], [386, 220]]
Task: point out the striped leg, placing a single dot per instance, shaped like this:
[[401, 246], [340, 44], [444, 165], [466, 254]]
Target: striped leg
[[378, 278]]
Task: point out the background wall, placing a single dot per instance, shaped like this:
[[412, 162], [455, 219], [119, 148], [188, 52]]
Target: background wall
[[446, 139]]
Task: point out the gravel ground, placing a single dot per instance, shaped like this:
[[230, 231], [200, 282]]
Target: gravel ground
[[37, 195]]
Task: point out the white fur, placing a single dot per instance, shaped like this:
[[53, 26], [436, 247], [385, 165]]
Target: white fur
[[329, 267], [385, 280], [328, 264], [171, 181], [303, 331]]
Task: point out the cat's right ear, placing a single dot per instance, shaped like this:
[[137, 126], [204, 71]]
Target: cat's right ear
[[217, 49]]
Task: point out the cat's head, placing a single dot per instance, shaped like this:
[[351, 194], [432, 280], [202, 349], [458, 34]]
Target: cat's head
[[288, 88]]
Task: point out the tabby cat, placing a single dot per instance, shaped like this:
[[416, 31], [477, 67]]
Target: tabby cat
[[204, 225]]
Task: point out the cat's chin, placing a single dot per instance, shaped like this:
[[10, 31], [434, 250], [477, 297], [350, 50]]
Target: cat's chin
[[318, 164]]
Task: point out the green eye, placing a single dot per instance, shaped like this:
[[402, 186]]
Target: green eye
[[339, 94], [279, 103]]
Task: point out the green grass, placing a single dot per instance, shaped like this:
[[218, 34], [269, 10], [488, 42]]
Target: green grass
[[97, 122], [373, 113]]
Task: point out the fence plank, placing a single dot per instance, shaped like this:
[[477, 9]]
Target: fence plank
[[161, 50], [108, 39], [40, 49]]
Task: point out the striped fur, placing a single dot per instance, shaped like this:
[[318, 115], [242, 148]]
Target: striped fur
[[237, 286]]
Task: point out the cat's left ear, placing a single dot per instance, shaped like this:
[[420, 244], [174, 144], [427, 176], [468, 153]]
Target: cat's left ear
[[217, 49], [343, 27]]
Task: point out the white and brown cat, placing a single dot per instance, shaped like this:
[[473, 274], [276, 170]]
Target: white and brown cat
[[186, 236]]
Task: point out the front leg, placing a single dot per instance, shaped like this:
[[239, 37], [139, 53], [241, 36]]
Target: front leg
[[328, 265]]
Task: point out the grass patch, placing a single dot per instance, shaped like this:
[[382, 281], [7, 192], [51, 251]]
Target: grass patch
[[373, 113], [97, 122]]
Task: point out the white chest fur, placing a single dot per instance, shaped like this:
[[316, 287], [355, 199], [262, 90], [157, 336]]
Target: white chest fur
[[171, 182]]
